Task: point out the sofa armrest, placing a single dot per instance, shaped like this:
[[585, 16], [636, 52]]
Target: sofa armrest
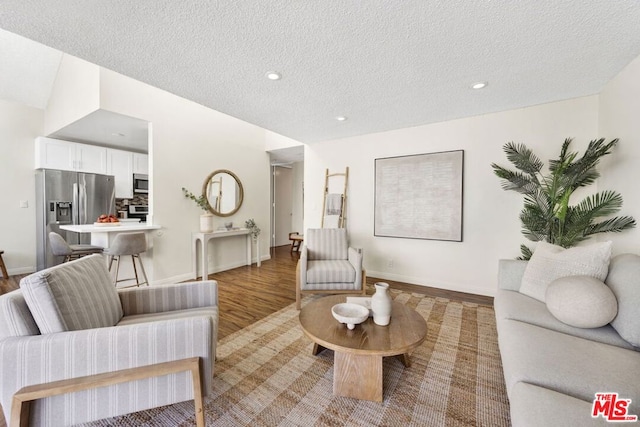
[[355, 258], [510, 272], [302, 267], [179, 296], [41, 359]]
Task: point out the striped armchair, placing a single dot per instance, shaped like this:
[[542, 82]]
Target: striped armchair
[[328, 265], [69, 321]]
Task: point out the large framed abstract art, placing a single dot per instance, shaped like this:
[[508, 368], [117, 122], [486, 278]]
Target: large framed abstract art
[[419, 196]]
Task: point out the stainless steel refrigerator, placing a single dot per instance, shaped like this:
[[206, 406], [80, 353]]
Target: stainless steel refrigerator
[[65, 197]]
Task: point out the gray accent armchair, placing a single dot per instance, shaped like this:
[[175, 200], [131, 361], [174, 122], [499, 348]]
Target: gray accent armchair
[[69, 321], [328, 265]]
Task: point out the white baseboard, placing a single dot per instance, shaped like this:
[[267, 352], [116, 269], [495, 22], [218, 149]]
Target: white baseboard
[[192, 275], [21, 270], [441, 285], [175, 279]]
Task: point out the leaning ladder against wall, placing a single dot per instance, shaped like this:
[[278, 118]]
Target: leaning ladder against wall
[[334, 204]]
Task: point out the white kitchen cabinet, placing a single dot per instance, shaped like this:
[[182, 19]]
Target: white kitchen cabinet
[[141, 163], [71, 156], [91, 158], [120, 165], [54, 154]]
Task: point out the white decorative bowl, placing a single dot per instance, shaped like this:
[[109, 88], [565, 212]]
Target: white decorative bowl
[[351, 314]]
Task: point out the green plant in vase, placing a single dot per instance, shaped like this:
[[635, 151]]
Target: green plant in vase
[[200, 201], [254, 230], [547, 214], [206, 219]]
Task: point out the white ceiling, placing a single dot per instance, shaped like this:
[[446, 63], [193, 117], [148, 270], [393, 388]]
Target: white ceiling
[[108, 129], [383, 64]]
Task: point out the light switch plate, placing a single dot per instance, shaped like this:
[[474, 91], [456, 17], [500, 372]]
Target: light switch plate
[[24, 203]]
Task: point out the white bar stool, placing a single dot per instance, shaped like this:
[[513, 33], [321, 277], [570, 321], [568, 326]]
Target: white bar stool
[[128, 244]]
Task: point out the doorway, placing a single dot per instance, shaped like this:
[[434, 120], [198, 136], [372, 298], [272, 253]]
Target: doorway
[[282, 205]]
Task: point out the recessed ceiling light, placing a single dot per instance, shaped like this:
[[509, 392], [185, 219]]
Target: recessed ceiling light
[[479, 85], [272, 75], [341, 118], [119, 134]]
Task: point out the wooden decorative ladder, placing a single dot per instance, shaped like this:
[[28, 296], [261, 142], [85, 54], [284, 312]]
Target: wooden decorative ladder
[[334, 204]]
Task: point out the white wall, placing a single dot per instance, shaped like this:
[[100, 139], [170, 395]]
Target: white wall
[[190, 141], [619, 108], [75, 93], [19, 126], [491, 228], [275, 141], [297, 218]]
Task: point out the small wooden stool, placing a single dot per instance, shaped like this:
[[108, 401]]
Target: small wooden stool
[[296, 240], [3, 267]]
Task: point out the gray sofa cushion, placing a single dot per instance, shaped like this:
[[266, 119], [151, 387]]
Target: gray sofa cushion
[[335, 271], [72, 296], [326, 243], [624, 281], [550, 262], [569, 365], [135, 319], [515, 306], [537, 406], [15, 317], [581, 301]]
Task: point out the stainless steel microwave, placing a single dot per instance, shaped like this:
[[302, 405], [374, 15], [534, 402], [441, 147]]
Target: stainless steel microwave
[[140, 183]]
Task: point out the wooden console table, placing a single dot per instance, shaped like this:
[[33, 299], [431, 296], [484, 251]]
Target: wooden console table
[[204, 242], [23, 397]]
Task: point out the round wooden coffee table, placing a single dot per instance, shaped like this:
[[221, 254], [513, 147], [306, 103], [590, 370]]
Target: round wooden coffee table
[[358, 353]]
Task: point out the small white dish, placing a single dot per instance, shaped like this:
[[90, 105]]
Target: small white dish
[[351, 314]]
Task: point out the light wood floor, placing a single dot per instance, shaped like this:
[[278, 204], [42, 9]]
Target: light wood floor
[[248, 294]]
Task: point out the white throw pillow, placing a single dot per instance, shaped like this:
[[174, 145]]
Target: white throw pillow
[[550, 262], [581, 301], [624, 281]]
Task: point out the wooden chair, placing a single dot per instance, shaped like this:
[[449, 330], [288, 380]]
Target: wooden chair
[[296, 240], [328, 265]]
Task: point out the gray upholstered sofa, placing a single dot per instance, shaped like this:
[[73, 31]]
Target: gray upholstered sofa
[[553, 370], [69, 321]]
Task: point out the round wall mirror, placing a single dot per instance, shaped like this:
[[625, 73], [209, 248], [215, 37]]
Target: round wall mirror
[[223, 191]]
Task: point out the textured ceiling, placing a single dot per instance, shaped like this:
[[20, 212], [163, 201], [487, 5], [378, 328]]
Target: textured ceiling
[[383, 64]]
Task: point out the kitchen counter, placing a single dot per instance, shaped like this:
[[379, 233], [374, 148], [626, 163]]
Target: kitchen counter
[[121, 227], [103, 235]]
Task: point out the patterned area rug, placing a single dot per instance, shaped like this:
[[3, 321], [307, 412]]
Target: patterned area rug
[[265, 375]]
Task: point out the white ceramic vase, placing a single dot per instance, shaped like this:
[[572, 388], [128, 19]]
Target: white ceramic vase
[[206, 223], [381, 304]]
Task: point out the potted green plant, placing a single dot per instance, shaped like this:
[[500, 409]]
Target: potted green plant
[[547, 214], [254, 230], [206, 219]]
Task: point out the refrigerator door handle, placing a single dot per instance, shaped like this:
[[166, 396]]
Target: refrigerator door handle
[[83, 203], [75, 207]]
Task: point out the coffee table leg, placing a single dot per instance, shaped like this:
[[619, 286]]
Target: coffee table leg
[[317, 348], [357, 376], [404, 358]]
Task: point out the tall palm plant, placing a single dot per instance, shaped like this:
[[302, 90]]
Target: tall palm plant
[[547, 214]]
